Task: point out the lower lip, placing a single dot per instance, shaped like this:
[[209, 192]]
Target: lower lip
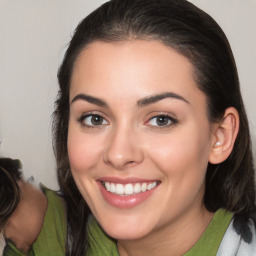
[[125, 202]]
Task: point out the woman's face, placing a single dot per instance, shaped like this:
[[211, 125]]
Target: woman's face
[[139, 138]]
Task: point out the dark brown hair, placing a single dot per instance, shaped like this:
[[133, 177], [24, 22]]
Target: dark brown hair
[[9, 189], [194, 34]]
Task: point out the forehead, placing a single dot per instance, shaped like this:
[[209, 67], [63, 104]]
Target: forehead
[[134, 68]]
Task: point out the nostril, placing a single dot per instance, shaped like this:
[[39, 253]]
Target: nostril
[[130, 163], [122, 155]]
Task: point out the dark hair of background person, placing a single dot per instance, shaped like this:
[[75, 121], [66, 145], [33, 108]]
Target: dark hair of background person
[[9, 189], [194, 34]]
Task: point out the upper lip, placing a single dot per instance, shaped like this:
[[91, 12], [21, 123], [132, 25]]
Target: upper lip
[[126, 180]]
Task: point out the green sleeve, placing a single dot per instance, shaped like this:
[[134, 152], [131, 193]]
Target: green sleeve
[[52, 238]]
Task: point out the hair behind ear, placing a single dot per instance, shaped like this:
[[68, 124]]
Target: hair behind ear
[[230, 184]]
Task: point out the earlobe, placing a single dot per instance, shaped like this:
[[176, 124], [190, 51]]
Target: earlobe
[[225, 133]]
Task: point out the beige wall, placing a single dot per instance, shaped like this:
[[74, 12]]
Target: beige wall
[[33, 36]]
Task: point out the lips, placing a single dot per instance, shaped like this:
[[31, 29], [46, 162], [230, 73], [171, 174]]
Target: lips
[[126, 193]]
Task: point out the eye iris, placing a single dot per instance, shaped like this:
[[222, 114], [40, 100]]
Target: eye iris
[[162, 120], [96, 120]]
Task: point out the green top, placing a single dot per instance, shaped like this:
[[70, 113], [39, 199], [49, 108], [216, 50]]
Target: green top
[[52, 238]]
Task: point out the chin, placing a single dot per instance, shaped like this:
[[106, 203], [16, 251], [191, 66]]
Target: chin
[[125, 228], [128, 234]]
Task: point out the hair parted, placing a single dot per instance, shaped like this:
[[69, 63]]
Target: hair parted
[[194, 34]]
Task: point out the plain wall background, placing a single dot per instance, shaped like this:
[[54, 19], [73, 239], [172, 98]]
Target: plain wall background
[[33, 38]]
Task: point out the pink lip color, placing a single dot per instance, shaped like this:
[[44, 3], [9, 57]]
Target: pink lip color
[[124, 202]]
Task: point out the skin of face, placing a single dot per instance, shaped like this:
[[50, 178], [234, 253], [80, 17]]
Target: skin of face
[[130, 143]]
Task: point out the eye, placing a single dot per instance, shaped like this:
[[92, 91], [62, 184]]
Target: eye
[[161, 121], [92, 120]]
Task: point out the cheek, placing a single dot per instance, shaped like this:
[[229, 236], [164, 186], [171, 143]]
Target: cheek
[[83, 151], [183, 162], [186, 153], [83, 155]]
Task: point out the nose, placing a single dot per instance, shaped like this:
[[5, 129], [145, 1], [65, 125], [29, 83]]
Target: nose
[[123, 150]]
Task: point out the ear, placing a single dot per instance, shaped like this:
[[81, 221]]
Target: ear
[[224, 136]]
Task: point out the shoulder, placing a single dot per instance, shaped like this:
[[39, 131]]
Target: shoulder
[[54, 230], [52, 235], [239, 239], [56, 204]]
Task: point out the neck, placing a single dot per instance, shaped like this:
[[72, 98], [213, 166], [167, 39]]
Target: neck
[[175, 238]]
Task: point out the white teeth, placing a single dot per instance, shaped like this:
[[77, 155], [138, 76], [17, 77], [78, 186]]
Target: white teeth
[[144, 187], [129, 189], [137, 188], [119, 189], [112, 188], [108, 186]]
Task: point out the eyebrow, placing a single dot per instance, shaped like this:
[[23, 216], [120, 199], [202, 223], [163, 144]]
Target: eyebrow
[[90, 99], [141, 103], [155, 98]]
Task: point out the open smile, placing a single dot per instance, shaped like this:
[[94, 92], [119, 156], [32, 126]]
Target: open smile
[[130, 188], [125, 193]]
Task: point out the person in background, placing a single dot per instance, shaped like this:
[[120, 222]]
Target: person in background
[[19, 200], [151, 139], [9, 192]]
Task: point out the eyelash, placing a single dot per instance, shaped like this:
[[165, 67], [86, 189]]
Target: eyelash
[[81, 120], [170, 121]]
